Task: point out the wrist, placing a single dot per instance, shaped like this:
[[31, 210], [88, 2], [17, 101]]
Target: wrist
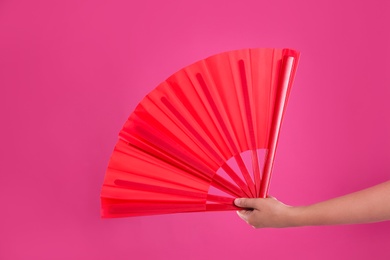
[[298, 216]]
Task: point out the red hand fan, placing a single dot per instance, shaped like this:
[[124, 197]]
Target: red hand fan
[[206, 135]]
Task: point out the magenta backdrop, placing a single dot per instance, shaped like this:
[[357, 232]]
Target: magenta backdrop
[[72, 71]]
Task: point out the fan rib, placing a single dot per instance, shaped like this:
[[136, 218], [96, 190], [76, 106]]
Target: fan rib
[[159, 189], [245, 174], [131, 208], [252, 145], [220, 207]]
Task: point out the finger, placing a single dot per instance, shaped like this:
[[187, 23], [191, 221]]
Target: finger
[[245, 203], [244, 214]]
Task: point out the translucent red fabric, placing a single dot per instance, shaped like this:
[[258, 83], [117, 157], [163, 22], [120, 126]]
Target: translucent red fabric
[[206, 135]]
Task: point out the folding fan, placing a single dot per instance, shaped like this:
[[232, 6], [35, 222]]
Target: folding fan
[[206, 135]]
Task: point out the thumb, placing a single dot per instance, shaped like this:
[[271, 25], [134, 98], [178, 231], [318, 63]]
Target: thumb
[[245, 203]]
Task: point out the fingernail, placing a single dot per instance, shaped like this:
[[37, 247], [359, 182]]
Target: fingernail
[[237, 202], [242, 215]]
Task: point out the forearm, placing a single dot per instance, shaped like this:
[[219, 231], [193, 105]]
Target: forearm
[[369, 205]]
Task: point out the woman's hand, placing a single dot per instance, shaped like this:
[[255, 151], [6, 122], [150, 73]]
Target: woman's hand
[[269, 212]]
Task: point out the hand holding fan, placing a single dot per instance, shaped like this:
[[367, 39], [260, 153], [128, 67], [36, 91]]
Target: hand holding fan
[[206, 135]]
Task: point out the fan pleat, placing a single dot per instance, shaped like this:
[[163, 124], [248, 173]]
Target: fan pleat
[[201, 142]]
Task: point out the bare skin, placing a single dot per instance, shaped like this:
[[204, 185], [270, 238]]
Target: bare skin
[[365, 206]]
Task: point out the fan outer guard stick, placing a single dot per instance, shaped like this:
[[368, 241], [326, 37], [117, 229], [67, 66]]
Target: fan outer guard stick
[[276, 123]]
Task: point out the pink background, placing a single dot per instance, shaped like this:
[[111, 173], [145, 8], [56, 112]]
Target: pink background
[[72, 71]]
